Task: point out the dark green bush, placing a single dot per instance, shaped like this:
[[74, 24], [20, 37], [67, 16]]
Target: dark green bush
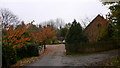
[[32, 50], [11, 55], [21, 52], [8, 56], [28, 51]]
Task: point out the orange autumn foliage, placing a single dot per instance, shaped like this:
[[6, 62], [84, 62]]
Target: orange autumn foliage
[[45, 35], [15, 37]]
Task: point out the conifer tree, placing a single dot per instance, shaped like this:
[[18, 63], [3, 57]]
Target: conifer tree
[[74, 37], [75, 34]]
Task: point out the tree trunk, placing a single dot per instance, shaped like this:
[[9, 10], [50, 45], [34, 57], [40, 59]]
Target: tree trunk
[[44, 46]]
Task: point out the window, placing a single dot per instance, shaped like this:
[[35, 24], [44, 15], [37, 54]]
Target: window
[[99, 25]]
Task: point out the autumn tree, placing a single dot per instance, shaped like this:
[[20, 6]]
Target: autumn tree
[[8, 18], [15, 37], [11, 40], [48, 34], [45, 35], [34, 32]]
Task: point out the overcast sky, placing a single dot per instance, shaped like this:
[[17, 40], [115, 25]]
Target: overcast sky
[[44, 10]]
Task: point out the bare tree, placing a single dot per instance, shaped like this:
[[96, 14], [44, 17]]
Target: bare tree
[[59, 22], [50, 22], [56, 23], [85, 22], [7, 18]]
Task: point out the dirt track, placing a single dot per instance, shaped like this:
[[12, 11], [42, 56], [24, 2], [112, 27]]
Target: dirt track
[[55, 56]]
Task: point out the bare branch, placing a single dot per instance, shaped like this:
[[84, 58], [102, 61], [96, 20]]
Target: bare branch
[[7, 18]]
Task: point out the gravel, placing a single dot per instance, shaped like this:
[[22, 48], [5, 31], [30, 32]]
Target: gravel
[[56, 57]]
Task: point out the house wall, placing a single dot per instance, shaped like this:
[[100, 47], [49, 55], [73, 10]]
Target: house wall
[[96, 29]]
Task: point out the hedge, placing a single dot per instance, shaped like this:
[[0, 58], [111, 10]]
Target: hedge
[[91, 47], [11, 55]]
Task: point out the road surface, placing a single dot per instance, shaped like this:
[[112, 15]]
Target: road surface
[[55, 56]]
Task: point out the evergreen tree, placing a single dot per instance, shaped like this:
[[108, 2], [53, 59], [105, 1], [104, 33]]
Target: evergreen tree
[[62, 33], [74, 37], [75, 34], [114, 20]]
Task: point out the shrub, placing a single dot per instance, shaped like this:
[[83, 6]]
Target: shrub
[[8, 56], [32, 50], [55, 42], [28, 51], [21, 53]]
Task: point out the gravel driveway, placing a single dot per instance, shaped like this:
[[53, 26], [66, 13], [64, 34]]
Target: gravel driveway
[[55, 56]]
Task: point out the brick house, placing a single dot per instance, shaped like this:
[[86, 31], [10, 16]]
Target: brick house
[[96, 29]]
